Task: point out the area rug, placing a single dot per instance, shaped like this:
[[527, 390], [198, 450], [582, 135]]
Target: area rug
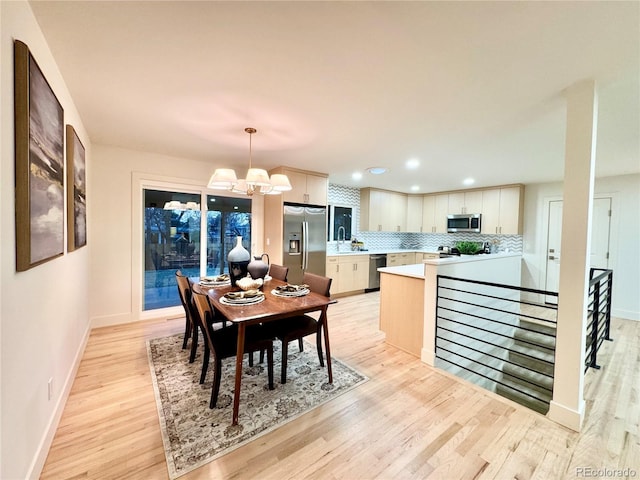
[[193, 434]]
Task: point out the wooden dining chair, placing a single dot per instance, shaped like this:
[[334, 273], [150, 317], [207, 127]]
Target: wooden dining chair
[[191, 326], [296, 328], [222, 344], [278, 272]]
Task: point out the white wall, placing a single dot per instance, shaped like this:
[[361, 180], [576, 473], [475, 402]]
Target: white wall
[[44, 317], [115, 232], [624, 257]]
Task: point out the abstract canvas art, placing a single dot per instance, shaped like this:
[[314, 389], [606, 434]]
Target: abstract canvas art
[[39, 158], [76, 192]]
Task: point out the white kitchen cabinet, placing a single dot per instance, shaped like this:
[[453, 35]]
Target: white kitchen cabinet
[[349, 272], [502, 210], [465, 202], [382, 210], [435, 209], [307, 187], [414, 213]]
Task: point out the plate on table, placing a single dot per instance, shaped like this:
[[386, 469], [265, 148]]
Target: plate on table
[[215, 281], [291, 290], [248, 297], [243, 301]]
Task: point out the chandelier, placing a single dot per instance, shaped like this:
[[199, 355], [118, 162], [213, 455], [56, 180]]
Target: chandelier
[[256, 181]]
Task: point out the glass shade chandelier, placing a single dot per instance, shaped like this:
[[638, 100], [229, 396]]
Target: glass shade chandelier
[[257, 180]]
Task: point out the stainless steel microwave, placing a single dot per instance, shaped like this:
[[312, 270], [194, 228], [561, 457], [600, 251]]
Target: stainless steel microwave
[[468, 222]]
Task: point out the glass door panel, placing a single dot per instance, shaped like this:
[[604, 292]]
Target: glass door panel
[[171, 242], [227, 217]]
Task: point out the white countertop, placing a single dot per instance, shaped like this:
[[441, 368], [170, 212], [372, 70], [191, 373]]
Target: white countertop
[[417, 270], [378, 252]]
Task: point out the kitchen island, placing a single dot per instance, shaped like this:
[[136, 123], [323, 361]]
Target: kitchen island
[[408, 295]]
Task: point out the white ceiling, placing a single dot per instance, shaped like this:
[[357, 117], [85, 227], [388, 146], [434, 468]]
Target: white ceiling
[[470, 89]]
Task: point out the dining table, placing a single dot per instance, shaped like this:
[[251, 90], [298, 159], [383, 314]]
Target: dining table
[[273, 307]]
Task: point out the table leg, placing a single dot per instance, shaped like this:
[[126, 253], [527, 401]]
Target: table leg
[[327, 347], [239, 356]]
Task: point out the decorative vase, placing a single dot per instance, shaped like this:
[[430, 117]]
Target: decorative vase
[[238, 260], [257, 267]]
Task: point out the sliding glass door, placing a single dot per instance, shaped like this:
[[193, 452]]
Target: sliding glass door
[[175, 238]]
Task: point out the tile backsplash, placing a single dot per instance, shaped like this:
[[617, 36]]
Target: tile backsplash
[[350, 197]]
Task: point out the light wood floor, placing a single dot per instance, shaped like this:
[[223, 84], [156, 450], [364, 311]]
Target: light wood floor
[[409, 421]]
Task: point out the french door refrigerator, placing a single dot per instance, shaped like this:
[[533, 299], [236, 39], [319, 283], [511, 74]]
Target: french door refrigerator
[[305, 241]]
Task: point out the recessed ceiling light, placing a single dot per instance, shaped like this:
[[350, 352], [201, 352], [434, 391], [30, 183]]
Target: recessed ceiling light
[[468, 181], [413, 163], [415, 188], [356, 175], [376, 170]]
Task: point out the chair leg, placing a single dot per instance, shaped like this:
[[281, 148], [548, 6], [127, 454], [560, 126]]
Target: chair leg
[[194, 344], [319, 346], [270, 366], [300, 344], [205, 363], [261, 356], [187, 332], [216, 384], [283, 368], [251, 359]]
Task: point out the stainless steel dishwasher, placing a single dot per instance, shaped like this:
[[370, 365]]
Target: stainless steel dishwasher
[[375, 262]]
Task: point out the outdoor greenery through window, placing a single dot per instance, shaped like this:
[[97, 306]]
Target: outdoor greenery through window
[[173, 239], [339, 217]]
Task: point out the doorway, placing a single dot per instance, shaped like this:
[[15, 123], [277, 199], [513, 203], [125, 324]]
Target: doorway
[[600, 236]]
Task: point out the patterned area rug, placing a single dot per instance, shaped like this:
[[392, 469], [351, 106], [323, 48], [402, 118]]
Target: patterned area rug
[[193, 434]]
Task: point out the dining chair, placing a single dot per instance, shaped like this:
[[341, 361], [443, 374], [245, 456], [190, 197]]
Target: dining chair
[[296, 328], [191, 323], [222, 343], [278, 272]]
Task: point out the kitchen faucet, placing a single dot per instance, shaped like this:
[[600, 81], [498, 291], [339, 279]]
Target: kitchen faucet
[[344, 234]]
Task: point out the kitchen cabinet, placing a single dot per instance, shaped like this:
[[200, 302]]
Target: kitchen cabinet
[[465, 202], [349, 272], [414, 213], [435, 209], [502, 210], [307, 187], [382, 210], [404, 258]]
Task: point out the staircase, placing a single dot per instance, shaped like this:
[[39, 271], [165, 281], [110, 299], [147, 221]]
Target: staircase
[[527, 377]]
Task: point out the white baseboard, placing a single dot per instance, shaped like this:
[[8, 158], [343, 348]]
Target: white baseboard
[[566, 416], [626, 314], [35, 469]]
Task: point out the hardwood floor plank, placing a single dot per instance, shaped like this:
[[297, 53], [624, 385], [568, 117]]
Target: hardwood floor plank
[[408, 421]]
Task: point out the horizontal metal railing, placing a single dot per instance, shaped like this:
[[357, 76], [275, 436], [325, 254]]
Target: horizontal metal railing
[[486, 333], [599, 314]]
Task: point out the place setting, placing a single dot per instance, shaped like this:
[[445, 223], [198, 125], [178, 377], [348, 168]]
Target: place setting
[[291, 290], [215, 281], [243, 297]]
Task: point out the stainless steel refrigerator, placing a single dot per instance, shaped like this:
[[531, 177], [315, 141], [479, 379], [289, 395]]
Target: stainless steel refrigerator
[[305, 241]]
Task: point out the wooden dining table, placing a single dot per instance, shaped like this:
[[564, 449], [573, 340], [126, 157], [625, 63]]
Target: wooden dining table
[[272, 308]]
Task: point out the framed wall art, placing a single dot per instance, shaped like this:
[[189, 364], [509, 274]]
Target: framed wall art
[[39, 163], [76, 192]]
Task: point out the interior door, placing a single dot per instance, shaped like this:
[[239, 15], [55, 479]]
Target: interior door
[[600, 232]]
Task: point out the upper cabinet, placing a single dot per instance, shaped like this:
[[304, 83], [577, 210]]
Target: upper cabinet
[[382, 210], [414, 213], [502, 210], [307, 187], [465, 202], [435, 209]]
